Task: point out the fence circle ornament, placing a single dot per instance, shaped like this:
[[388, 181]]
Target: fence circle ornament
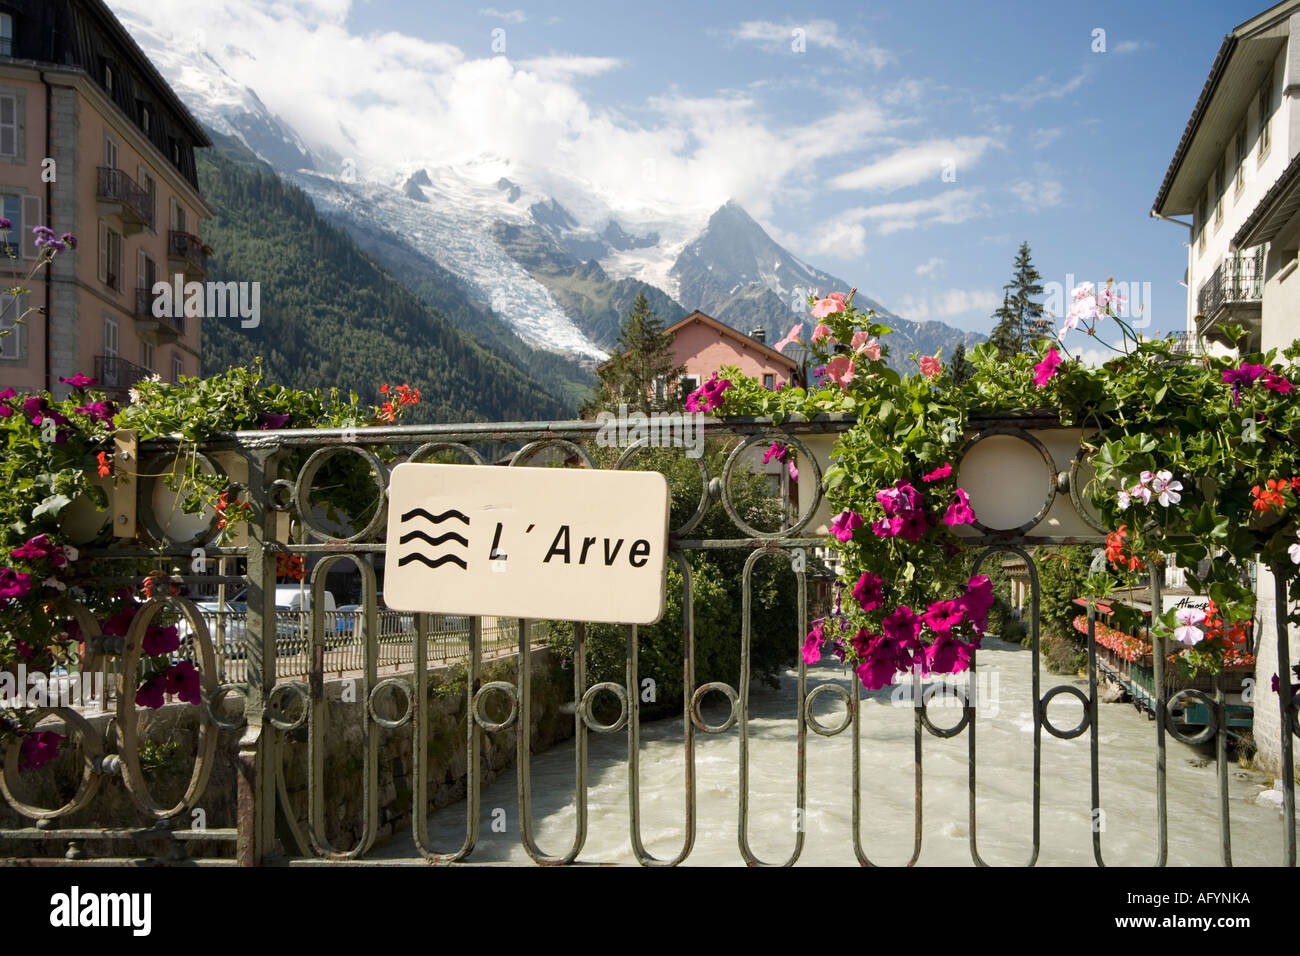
[[307, 477], [160, 507], [588, 700], [1081, 727], [281, 497], [532, 448], [214, 703], [1004, 470], [433, 447], [957, 728], [1211, 716], [808, 460], [480, 714], [729, 692], [811, 718], [277, 705], [92, 752], [401, 685], [706, 484]]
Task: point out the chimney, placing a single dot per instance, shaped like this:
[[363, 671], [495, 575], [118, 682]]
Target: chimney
[[759, 335]]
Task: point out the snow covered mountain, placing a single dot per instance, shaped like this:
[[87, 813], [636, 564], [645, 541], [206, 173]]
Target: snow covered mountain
[[555, 263]]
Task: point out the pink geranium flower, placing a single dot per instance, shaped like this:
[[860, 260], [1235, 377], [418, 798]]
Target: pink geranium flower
[[829, 305], [931, 367]]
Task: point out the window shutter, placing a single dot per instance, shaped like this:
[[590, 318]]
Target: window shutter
[[103, 252], [31, 217]]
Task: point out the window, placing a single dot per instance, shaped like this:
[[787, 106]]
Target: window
[[108, 80], [1241, 159], [1202, 216], [110, 257], [146, 355], [13, 211], [6, 34], [110, 337], [178, 219], [1265, 114], [178, 367], [688, 384], [145, 119], [150, 186], [11, 343], [769, 381], [8, 126], [146, 270], [1218, 194], [110, 152]]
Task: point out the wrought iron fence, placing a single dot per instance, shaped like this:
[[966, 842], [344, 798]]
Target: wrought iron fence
[[263, 657]]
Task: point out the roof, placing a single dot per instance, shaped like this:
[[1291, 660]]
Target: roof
[[1272, 212], [1233, 78], [747, 341]]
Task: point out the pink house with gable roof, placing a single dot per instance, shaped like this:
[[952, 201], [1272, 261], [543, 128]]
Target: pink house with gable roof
[[702, 345]]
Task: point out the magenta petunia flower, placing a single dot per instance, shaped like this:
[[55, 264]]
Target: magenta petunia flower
[[161, 640], [912, 525], [1237, 377], [78, 381], [959, 512], [37, 548], [708, 396], [1278, 383], [119, 623], [1045, 369], [183, 681], [269, 421], [977, 601], [151, 693], [843, 525], [943, 471], [104, 411], [902, 626], [38, 749], [14, 584], [812, 644], [942, 616], [869, 591], [947, 655], [879, 663], [899, 499]]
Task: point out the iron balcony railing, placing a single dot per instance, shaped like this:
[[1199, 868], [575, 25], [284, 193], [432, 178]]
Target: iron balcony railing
[[115, 372], [187, 249], [144, 300], [1236, 279], [116, 186]]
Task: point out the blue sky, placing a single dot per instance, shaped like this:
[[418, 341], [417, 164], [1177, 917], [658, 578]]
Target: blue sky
[[839, 149]]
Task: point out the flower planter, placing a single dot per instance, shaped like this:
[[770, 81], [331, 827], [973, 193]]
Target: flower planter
[[83, 521]]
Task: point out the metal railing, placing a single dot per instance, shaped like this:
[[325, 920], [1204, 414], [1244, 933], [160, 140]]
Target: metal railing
[[281, 469], [144, 300], [115, 373], [116, 186], [1235, 279], [187, 248]]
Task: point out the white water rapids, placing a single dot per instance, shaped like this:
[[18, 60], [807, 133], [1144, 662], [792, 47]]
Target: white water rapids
[[1004, 738]]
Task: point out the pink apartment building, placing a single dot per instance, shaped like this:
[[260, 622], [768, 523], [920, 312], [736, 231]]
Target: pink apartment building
[[702, 345]]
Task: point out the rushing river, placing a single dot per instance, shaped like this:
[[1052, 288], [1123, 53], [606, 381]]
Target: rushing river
[[1004, 787]]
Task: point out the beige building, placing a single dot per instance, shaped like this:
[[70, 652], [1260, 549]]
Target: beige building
[[1236, 173], [93, 142]]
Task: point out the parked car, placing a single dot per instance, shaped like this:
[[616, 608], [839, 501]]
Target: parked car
[[292, 624]]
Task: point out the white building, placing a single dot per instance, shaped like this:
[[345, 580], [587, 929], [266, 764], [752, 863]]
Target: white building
[[1235, 173]]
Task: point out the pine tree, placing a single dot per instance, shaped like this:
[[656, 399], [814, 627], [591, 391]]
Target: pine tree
[[641, 372], [1020, 319], [960, 368]]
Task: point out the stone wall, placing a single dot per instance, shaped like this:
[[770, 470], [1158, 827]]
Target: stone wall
[[171, 736]]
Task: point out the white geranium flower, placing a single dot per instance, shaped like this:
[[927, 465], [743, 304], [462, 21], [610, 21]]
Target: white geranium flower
[[1187, 632]]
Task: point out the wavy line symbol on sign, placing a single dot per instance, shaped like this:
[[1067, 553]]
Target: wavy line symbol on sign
[[433, 559]]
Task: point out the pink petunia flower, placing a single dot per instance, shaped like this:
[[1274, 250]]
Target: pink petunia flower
[[1045, 369], [843, 525], [864, 344], [829, 305], [790, 337], [822, 334], [840, 369]]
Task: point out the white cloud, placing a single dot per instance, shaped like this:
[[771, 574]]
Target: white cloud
[[1131, 46], [561, 67], [931, 268], [813, 33], [916, 163], [505, 16], [1042, 89], [840, 238], [1043, 138], [954, 303], [1038, 194], [948, 207]]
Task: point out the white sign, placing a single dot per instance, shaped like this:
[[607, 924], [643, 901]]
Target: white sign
[[554, 543]]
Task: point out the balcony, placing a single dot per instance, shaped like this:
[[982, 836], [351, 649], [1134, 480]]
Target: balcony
[[1185, 343], [165, 328], [115, 374], [1234, 293], [120, 197], [185, 254]]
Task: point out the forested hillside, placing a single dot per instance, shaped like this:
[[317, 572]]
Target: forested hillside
[[333, 316]]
